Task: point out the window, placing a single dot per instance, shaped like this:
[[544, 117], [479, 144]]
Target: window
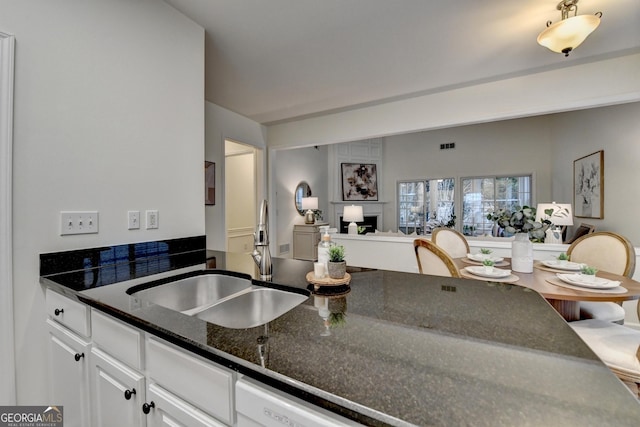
[[481, 196], [423, 203]]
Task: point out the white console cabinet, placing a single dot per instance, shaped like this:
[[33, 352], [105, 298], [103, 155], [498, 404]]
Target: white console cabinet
[[305, 241]]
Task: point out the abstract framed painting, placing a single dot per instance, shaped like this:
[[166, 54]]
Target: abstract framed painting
[[359, 182], [209, 183], [588, 186]]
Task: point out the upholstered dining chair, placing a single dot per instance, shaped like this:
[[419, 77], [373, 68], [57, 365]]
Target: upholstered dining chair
[[452, 241], [618, 346], [433, 260], [605, 251]]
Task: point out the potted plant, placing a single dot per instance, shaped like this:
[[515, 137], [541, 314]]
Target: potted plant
[[488, 266], [485, 253], [337, 266], [588, 274], [563, 258]]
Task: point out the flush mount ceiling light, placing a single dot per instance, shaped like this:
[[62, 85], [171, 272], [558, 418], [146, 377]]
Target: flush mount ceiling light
[[569, 33]]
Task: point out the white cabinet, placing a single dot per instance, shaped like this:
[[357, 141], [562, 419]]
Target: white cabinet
[[69, 368], [118, 392], [305, 241], [199, 383], [170, 410]]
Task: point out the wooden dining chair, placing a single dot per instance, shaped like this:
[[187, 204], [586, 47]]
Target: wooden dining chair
[[452, 241], [605, 251], [433, 260]]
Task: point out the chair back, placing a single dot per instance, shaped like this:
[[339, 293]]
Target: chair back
[[452, 241], [605, 251], [434, 260]]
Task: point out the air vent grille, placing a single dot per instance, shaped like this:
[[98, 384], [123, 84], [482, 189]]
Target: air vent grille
[[448, 146]]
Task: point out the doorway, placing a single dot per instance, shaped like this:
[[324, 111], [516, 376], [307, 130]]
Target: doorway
[[241, 171]]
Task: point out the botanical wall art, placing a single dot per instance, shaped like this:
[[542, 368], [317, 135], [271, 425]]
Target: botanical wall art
[[359, 181], [588, 184], [209, 183]]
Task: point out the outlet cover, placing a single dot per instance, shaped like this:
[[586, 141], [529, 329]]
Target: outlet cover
[[152, 219], [78, 222]]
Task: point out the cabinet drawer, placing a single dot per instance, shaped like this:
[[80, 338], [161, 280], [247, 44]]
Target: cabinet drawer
[[72, 314], [201, 383], [118, 339], [170, 410]]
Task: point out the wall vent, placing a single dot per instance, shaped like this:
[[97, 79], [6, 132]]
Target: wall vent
[[284, 249], [448, 146]]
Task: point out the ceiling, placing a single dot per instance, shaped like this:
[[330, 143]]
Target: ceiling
[[280, 60]]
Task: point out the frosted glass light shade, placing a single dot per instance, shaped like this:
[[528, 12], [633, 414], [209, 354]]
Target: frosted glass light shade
[[566, 35], [309, 203]]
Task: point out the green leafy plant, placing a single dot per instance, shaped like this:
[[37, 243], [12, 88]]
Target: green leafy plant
[[588, 270], [521, 220], [563, 257], [488, 263], [336, 253], [485, 251]]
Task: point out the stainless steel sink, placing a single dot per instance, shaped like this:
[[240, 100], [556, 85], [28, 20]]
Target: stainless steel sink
[[194, 293], [225, 300], [251, 308]]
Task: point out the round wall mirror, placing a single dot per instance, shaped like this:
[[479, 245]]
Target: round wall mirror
[[302, 190]]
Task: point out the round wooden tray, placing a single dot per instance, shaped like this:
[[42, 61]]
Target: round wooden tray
[[328, 281]]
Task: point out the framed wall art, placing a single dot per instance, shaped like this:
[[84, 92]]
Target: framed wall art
[[588, 185], [209, 183], [359, 182]]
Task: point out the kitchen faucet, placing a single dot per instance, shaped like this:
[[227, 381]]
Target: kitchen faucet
[[261, 254]]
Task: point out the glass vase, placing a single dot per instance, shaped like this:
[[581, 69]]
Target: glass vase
[[522, 253]]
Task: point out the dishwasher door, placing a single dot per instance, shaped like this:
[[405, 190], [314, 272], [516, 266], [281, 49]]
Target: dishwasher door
[[261, 405]]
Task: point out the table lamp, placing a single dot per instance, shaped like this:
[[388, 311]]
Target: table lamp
[[310, 204], [353, 214], [560, 217]]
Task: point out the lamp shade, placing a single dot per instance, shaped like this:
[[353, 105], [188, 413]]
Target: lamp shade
[[353, 214], [309, 203], [566, 35], [562, 213]]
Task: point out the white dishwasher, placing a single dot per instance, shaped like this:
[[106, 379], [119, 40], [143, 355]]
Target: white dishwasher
[[261, 405]]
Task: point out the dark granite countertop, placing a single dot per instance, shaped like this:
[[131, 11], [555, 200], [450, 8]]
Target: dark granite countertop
[[398, 348]]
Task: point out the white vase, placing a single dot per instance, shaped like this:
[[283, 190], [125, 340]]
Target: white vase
[[522, 253]]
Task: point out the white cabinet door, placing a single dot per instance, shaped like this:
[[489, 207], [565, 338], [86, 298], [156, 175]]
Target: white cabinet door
[[69, 367], [171, 411], [118, 392]]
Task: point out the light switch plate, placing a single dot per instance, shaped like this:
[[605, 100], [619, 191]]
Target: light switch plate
[[78, 222], [133, 220]]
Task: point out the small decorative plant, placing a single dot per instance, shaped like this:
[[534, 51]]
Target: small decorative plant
[[485, 251], [336, 253], [488, 263], [589, 271], [337, 266], [563, 257]]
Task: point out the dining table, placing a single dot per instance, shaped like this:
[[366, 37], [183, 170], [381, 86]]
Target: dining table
[[563, 296]]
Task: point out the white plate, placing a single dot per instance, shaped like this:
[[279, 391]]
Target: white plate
[[598, 282], [482, 257], [496, 273], [569, 266]]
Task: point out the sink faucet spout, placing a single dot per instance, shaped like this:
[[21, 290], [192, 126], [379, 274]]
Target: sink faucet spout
[[261, 254]]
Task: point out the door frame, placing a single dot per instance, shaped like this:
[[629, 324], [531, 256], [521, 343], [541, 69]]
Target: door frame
[[7, 341]]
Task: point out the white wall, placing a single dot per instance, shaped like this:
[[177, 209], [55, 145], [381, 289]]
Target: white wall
[[289, 167], [222, 124], [108, 116], [519, 146], [616, 130]]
